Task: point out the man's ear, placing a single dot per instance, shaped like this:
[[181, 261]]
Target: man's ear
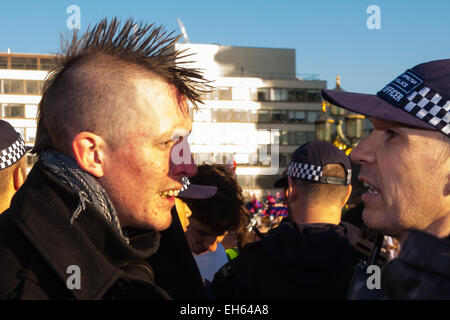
[[292, 190], [349, 192], [18, 178], [89, 152]]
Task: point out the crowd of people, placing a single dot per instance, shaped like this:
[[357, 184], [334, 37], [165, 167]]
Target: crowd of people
[[115, 193]]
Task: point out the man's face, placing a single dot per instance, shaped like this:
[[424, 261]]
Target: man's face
[[407, 175], [200, 237], [140, 176]]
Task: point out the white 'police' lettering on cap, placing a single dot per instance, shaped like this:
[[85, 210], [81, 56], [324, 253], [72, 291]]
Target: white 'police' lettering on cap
[[12, 154], [409, 93]]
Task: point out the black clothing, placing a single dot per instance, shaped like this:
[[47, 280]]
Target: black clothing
[[38, 244], [312, 261], [421, 271], [174, 265]]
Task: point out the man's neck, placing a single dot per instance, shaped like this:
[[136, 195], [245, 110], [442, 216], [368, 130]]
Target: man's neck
[[316, 214], [5, 200]]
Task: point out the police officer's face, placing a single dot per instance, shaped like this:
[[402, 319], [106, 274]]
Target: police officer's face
[[142, 175], [408, 175]]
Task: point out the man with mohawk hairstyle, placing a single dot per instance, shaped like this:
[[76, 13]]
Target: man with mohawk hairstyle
[[113, 111]]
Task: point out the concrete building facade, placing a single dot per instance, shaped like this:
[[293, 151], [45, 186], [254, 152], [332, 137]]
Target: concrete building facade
[[257, 114]]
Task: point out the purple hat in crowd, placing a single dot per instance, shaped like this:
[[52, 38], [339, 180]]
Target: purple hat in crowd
[[420, 97]]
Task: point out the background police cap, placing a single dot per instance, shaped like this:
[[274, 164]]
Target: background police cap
[[12, 146], [283, 181], [419, 97], [309, 160]]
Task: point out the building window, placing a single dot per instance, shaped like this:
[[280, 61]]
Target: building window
[[313, 96], [242, 116], [24, 63], [17, 86], [222, 115], [3, 62], [284, 159], [47, 64], [296, 95], [14, 111], [262, 94], [32, 87], [279, 116], [5, 88], [296, 116], [225, 93], [278, 94], [30, 134], [264, 116]]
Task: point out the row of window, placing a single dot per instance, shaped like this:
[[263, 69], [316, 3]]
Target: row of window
[[9, 86], [264, 94], [255, 116], [254, 159], [18, 111], [26, 63]]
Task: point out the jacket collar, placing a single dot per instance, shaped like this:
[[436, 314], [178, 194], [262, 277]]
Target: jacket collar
[[43, 208]]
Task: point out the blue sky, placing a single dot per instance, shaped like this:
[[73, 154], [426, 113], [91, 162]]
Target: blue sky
[[330, 36]]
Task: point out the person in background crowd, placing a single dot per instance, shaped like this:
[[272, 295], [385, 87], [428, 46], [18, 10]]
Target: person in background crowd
[[214, 217]]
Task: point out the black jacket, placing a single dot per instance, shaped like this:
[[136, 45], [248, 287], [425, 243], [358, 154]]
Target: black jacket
[[38, 245], [313, 261], [421, 271]]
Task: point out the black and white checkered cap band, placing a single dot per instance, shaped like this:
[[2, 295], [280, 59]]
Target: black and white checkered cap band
[[311, 172], [185, 182], [429, 106], [304, 171], [12, 154]]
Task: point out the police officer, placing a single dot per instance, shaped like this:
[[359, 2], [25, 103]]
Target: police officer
[[405, 164], [313, 255], [12, 163]]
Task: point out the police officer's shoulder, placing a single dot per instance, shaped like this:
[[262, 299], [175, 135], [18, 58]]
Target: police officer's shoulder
[[239, 263]]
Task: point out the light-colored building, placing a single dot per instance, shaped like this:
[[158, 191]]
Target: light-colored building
[[258, 113], [21, 79]]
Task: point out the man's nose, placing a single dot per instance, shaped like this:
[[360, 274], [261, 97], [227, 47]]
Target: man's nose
[[363, 153]]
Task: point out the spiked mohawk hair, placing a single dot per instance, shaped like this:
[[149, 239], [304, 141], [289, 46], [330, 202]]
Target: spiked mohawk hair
[[72, 102]]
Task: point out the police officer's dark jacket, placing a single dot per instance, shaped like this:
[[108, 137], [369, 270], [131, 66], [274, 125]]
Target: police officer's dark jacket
[[421, 271], [313, 261], [40, 249]]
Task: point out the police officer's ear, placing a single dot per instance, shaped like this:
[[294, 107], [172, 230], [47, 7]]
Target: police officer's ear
[[18, 177], [89, 150], [292, 190], [349, 191]]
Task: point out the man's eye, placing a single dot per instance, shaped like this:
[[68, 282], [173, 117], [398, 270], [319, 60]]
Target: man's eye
[[391, 134], [167, 143]]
